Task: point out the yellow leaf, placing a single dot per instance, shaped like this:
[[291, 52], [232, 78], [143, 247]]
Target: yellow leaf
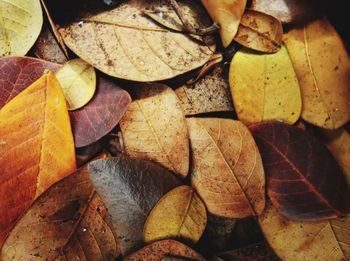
[[178, 214], [227, 14], [264, 87], [78, 82], [36, 148], [322, 65], [20, 25], [154, 128], [227, 170], [296, 240]]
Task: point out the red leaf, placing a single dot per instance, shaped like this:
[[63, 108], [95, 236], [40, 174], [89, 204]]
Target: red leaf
[[304, 181]]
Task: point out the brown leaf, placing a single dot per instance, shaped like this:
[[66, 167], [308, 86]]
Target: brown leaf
[[304, 181], [159, 250], [123, 43], [130, 188], [36, 147], [227, 169], [260, 32], [154, 128], [322, 65], [68, 222]]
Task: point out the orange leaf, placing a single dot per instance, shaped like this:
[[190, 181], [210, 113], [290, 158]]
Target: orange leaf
[[36, 147]]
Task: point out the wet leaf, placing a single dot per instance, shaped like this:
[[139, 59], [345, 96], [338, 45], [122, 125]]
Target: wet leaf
[[227, 169], [227, 15], [178, 214], [327, 240], [20, 26], [130, 188], [36, 147], [304, 181], [124, 43], [264, 87], [163, 249], [68, 222], [78, 82], [322, 65], [154, 128], [260, 32], [209, 94]]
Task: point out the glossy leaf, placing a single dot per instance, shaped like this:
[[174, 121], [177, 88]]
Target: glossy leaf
[[227, 170], [77, 222], [139, 48], [178, 214], [322, 65], [78, 82], [130, 188], [36, 147], [260, 32], [20, 25], [154, 128], [264, 87], [163, 249], [304, 182]]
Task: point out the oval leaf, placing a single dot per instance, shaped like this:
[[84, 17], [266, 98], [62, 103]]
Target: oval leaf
[[304, 181], [165, 249], [260, 32], [123, 43], [322, 65], [327, 240], [130, 188], [154, 128], [78, 82], [21, 22], [178, 214], [264, 87], [227, 169], [36, 147]]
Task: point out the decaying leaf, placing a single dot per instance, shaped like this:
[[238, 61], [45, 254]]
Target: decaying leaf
[[304, 181], [154, 128], [36, 147], [68, 222], [264, 87], [124, 43], [159, 250], [227, 15], [227, 169], [20, 25], [130, 188], [260, 32], [293, 240], [209, 94], [178, 214], [322, 65], [78, 81]]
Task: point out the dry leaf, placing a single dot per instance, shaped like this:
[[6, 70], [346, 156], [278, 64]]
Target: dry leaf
[[20, 25], [157, 251], [178, 214], [154, 128], [78, 82], [227, 168], [322, 65], [130, 188], [36, 147], [123, 43], [219, 231], [227, 15], [292, 240], [209, 94], [260, 32], [68, 222], [264, 87]]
